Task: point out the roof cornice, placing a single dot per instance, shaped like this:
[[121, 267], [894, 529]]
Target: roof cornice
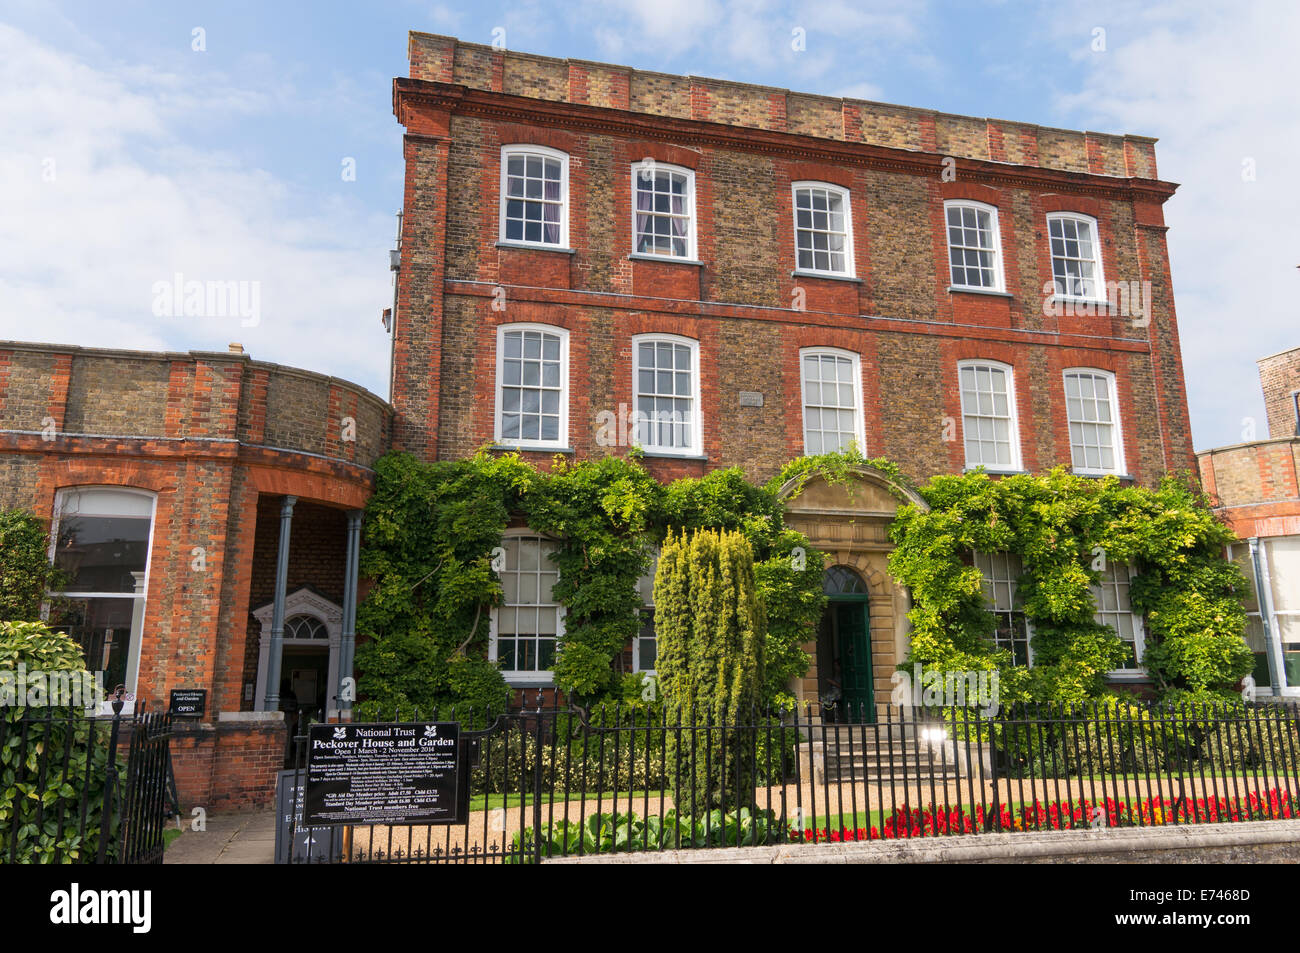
[[461, 100]]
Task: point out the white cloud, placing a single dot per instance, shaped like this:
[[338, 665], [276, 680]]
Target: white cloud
[[106, 192], [867, 91], [841, 40], [1217, 86]]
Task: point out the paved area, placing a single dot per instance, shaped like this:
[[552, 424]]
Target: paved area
[[246, 837]]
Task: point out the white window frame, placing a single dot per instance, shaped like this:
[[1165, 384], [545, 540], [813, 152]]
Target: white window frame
[[1015, 466], [132, 674], [1139, 626], [1266, 605], [562, 439], [547, 153], [846, 198], [697, 417], [855, 361], [989, 571], [691, 216], [1117, 431], [999, 285], [1100, 279], [527, 678]]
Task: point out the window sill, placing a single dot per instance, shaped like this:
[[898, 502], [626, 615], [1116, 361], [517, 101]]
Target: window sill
[[525, 246], [799, 273], [529, 679], [958, 289], [530, 448], [1090, 302], [1128, 675], [1126, 477], [992, 472], [669, 455], [665, 259]]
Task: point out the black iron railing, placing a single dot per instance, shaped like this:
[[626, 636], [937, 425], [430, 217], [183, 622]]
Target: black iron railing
[[80, 789], [546, 782]]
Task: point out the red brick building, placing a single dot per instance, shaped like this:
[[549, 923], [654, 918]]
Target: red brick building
[[168, 481], [1256, 491], [595, 257], [751, 274]]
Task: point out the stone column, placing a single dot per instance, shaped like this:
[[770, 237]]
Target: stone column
[[277, 612]]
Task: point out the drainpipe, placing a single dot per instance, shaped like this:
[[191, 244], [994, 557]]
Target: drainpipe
[[1264, 596]]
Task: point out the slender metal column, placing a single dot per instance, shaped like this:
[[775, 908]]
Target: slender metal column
[[277, 611], [348, 642]]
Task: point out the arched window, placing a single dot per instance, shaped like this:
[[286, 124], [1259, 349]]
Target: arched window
[[843, 581], [534, 196], [1092, 410], [305, 627], [1000, 584], [974, 245], [823, 234], [1076, 256], [663, 221], [100, 540], [831, 383], [666, 379], [988, 415], [528, 624], [532, 386]]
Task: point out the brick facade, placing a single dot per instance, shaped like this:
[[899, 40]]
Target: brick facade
[[1255, 490], [218, 439], [1279, 375], [738, 295], [746, 145], [1256, 486]]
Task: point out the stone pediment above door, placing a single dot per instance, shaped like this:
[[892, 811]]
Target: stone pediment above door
[[837, 512], [305, 601]]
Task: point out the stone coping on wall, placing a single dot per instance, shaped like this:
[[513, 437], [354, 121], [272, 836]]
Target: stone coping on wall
[[211, 356], [444, 59], [1248, 841]]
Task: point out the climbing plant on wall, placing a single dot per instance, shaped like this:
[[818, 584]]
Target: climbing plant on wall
[[1063, 527], [430, 531]]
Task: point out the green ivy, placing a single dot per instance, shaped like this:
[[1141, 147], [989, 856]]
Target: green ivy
[[1060, 524], [430, 529]]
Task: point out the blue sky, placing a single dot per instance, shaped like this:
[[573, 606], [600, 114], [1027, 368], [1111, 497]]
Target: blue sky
[[127, 156]]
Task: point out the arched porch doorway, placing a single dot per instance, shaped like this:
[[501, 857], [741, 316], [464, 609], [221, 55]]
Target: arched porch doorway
[[846, 516]]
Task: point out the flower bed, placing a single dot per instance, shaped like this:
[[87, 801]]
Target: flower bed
[[1273, 804]]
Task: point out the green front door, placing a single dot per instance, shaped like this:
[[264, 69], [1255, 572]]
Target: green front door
[[854, 643], [844, 649]]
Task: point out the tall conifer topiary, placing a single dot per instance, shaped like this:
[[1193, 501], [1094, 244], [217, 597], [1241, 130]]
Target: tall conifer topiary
[[711, 628]]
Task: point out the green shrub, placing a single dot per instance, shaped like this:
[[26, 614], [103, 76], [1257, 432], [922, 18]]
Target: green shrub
[[37, 791], [618, 833], [712, 635], [25, 571], [430, 530], [1064, 528]]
